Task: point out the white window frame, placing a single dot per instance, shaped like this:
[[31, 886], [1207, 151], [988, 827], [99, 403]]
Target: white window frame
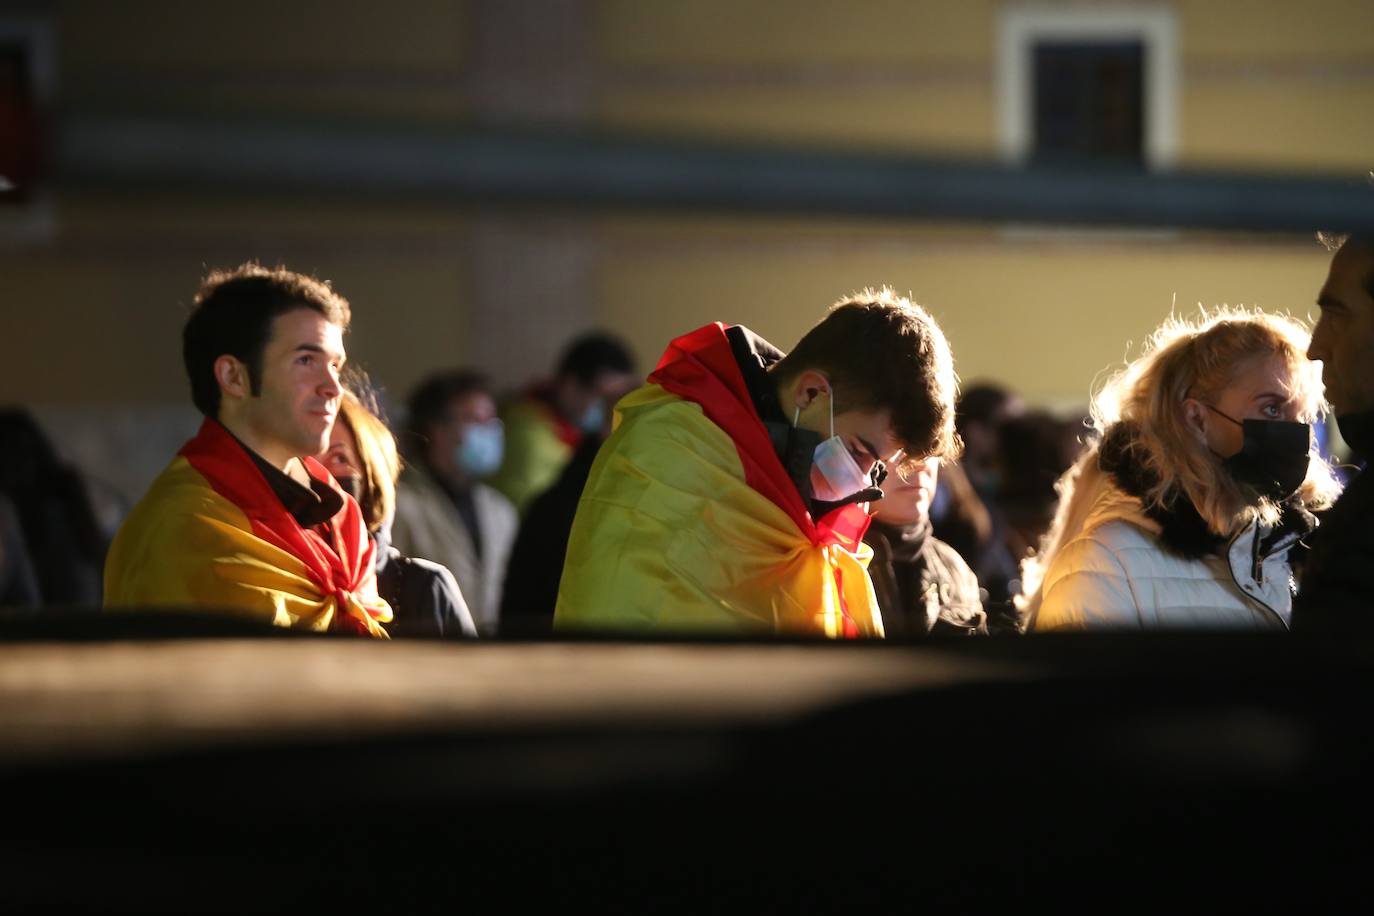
[[36, 221], [1021, 27]]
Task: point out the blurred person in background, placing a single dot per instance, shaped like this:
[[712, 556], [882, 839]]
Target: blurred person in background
[[18, 581], [924, 587], [1337, 591], [1037, 448], [424, 597], [58, 531], [1201, 479], [967, 514], [244, 519], [445, 512], [536, 560], [983, 410], [731, 496], [545, 426]]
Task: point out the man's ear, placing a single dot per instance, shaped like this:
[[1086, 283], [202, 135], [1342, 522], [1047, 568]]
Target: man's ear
[[807, 387], [232, 376], [1195, 418]]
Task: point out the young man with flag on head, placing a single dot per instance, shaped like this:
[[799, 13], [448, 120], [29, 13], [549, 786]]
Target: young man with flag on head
[[244, 520], [732, 495]]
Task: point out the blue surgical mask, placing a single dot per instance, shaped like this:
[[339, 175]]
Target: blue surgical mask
[[483, 447], [835, 475], [593, 418]]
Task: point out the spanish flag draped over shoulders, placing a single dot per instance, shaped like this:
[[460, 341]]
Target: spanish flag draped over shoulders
[[211, 533], [690, 523]]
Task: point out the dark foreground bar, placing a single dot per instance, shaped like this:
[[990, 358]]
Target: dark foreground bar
[[234, 774]]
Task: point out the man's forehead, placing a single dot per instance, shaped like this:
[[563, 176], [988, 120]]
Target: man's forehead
[[306, 327], [1351, 276], [877, 429]]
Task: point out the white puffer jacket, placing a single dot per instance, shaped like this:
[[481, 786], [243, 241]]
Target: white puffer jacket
[[1113, 572]]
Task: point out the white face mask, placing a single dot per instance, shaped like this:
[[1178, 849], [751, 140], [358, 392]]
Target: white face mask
[[835, 475]]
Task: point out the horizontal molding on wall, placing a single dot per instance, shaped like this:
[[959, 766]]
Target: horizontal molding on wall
[[1075, 242], [685, 242], [596, 172], [217, 247], [676, 78]]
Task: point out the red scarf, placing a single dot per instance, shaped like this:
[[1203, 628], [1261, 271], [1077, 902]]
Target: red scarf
[[340, 563], [700, 367]]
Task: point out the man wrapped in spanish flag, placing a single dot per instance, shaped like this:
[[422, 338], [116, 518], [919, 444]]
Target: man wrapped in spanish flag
[[732, 495], [244, 520]]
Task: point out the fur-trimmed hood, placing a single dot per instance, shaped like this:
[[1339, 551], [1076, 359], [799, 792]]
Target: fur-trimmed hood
[[1111, 561], [1180, 527]]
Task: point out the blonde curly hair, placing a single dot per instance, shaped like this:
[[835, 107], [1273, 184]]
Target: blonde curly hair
[[1196, 358]]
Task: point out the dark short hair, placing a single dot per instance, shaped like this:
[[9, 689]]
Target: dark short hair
[[1362, 240], [986, 402], [429, 402], [882, 351], [233, 314], [592, 354]]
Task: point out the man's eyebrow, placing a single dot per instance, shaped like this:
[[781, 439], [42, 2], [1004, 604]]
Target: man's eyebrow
[[316, 348], [1270, 394], [1328, 301], [868, 446]]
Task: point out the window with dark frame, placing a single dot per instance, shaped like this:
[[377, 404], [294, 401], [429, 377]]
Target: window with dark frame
[[1089, 101]]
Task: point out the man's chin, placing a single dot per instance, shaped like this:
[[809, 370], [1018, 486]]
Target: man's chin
[[313, 447]]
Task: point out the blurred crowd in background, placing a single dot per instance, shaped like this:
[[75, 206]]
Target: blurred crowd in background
[[491, 482]]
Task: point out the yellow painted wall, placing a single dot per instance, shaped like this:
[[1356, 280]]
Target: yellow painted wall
[[402, 59], [1046, 317], [908, 75], [1311, 125], [1269, 84], [785, 32], [1265, 84], [958, 118], [262, 36], [1247, 31], [97, 318]]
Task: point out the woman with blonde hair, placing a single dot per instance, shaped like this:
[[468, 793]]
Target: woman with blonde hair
[[424, 597], [1198, 481]]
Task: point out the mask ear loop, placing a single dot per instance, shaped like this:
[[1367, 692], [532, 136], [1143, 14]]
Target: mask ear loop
[[1222, 414], [795, 417], [830, 398]]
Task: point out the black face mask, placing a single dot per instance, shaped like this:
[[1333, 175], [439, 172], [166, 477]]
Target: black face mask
[[351, 485], [1273, 458]]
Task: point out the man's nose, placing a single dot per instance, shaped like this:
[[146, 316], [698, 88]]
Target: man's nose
[[1316, 348], [330, 386]]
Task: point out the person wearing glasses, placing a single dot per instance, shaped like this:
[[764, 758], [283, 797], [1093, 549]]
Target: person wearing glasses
[[1201, 478], [732, 495], [924, 587]]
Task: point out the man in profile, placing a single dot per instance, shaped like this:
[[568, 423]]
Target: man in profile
[[243, 520], [731, 496], [548, 423], [1337, 591]]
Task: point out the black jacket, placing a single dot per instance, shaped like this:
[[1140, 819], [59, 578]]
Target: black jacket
[[1336, 591], [535, 567], [424, 597], [924, 587]]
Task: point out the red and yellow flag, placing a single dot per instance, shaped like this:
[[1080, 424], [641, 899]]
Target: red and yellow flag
[[210, 533], [689, 522]]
